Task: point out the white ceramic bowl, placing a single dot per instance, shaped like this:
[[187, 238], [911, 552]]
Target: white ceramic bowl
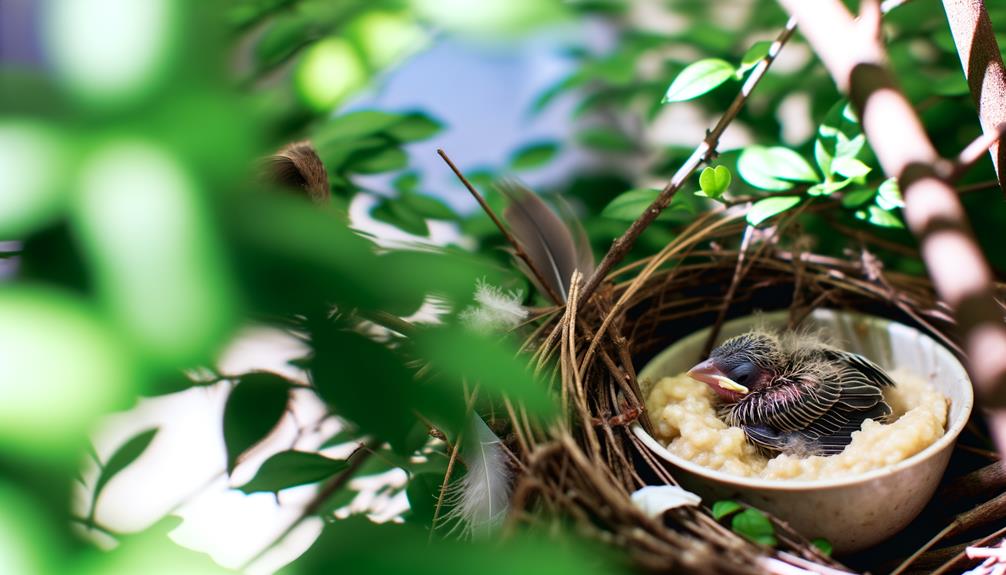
[[853, 513]]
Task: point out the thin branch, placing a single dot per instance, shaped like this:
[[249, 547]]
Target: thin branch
[[854, 55], [983, 68], [703, 153], [974, 151], [518, 249]]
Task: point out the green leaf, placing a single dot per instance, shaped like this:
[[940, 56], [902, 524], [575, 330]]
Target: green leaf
[[827, 188], [756, 526], [422, 491], [357, 545], [292, 468], [774, 168], [857, 198], [880, 217], [376, 161], [406, 182], [766, 208], [365, 382], [629, 205], [756, 53], [714, 181], [399, 214], [699, 78], [461, 355], [823, 156], [889, 195], [414, 126], [838, 136], [427, 206], [850, 167], [823, 544], [605, 140], [253, 409], [533, 156], [125, 455], [726, 507], [355, 126]]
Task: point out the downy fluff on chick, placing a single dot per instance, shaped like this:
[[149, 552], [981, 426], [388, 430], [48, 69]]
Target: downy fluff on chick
[[794, 394]]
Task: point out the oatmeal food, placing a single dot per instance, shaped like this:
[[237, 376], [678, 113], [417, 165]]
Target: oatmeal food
[[683, 412]]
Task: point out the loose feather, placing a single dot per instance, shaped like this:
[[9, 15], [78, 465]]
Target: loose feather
[[479, 500], [548, 242]]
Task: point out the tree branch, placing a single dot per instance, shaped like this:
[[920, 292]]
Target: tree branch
[[855, 57], [703, 153], [983, 68]]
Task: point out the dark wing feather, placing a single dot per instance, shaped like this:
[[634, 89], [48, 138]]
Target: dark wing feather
[[874, 374], [817, 414], [543, 236]]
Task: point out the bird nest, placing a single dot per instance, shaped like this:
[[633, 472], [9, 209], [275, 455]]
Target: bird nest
[[586, 466]]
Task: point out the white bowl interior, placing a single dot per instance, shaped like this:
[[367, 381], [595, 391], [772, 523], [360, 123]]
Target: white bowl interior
[[890, 344]]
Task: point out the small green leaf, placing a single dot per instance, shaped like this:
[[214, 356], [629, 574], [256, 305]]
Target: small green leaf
[[396, 212], [827, 188], [756, 526], [428, 206], [850, 167], [414, 126], [846, 147], [774, 168], [292, 468], [460, 355], [699, 78], [714, 181], [768, 207], [629, 205], [253, 409], [407, 182], [823, 156], [823, 544], [126, 454], [605, 140], [726, 507], [857, 198], [756, 53], [376, 161], [534, 156], [889, 195], [879, 217]]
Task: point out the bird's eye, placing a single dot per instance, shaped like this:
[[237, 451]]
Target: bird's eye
[[742, 373]]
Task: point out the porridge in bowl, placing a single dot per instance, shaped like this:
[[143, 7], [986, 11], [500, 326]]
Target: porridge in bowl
[[683, 412]]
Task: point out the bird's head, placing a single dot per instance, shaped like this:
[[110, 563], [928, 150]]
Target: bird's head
[[740, 365]]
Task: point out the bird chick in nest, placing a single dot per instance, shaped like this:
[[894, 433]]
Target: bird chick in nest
[[794, 393]]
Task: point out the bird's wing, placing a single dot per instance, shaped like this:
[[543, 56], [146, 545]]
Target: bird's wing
[[788, 405], [867, 371]]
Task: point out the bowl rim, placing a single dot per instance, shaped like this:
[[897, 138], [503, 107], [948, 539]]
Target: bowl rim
[[948, 438]]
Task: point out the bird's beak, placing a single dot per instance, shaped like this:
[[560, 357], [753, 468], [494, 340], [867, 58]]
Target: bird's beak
[[709, 374]]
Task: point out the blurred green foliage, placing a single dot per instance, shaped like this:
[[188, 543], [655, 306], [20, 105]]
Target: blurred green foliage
[[127, 175]]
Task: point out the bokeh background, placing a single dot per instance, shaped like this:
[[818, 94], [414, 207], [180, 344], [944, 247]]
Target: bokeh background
[[145, 266]]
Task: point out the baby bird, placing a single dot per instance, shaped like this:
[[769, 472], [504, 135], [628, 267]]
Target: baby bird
[[794, 394]]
